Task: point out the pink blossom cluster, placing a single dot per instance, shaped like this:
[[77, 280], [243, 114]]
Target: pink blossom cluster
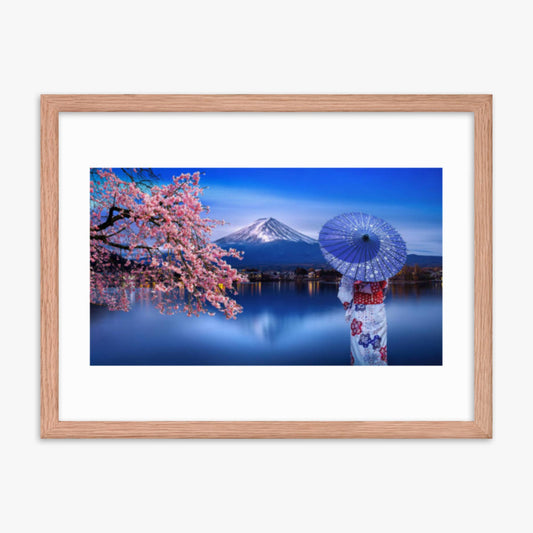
[[158, 238]]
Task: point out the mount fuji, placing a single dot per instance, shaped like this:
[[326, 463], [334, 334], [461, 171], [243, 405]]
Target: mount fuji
[[265, 230], [269, 242]]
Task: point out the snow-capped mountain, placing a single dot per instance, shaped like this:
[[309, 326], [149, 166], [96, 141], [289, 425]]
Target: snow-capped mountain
[[268, 243], [265, 230]]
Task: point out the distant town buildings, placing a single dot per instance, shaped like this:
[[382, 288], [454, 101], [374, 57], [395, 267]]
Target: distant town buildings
[[292, 274]]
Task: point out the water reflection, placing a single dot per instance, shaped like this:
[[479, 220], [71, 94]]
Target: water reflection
[[284, 323]]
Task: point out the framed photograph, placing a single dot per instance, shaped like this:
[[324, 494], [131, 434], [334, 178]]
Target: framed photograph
[[266, 266]]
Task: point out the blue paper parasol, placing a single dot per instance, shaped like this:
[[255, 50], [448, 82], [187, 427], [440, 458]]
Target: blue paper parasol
[[362, 247]]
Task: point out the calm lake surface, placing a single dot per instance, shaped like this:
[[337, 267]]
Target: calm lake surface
[[283, 323]]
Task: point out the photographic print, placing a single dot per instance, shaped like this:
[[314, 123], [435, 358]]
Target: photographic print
[[266, 266]]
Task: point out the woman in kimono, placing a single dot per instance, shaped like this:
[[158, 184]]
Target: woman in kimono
[[365, 312]]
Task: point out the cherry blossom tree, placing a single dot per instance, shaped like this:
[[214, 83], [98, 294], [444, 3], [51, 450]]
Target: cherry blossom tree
[[146, 235]]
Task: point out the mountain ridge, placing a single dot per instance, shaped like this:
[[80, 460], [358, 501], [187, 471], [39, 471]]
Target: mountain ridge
[[267, 242]]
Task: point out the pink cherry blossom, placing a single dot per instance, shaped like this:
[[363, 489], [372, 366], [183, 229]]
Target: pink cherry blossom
[[158, 238]]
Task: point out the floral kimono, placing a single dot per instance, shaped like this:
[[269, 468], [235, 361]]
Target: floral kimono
[[365, 312]]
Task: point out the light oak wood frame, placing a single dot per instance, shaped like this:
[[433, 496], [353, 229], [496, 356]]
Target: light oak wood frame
[[479, 105]]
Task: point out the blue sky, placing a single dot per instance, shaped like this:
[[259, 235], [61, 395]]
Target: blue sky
[[304, 198]]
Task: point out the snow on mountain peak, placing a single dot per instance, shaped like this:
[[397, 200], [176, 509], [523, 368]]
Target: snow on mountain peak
[[265, 230]]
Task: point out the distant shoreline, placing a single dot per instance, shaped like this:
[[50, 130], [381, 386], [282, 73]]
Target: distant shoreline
[[332, 282]]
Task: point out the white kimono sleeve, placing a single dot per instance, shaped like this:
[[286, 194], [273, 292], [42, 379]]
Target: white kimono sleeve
[[345, 295]]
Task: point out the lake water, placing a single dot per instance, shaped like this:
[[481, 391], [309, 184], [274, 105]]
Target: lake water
[[283, 323]]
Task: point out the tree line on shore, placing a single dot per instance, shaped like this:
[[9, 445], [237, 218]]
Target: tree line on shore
[[299, 273]]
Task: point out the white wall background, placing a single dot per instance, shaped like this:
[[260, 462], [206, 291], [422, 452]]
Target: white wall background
[[276, 46]]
